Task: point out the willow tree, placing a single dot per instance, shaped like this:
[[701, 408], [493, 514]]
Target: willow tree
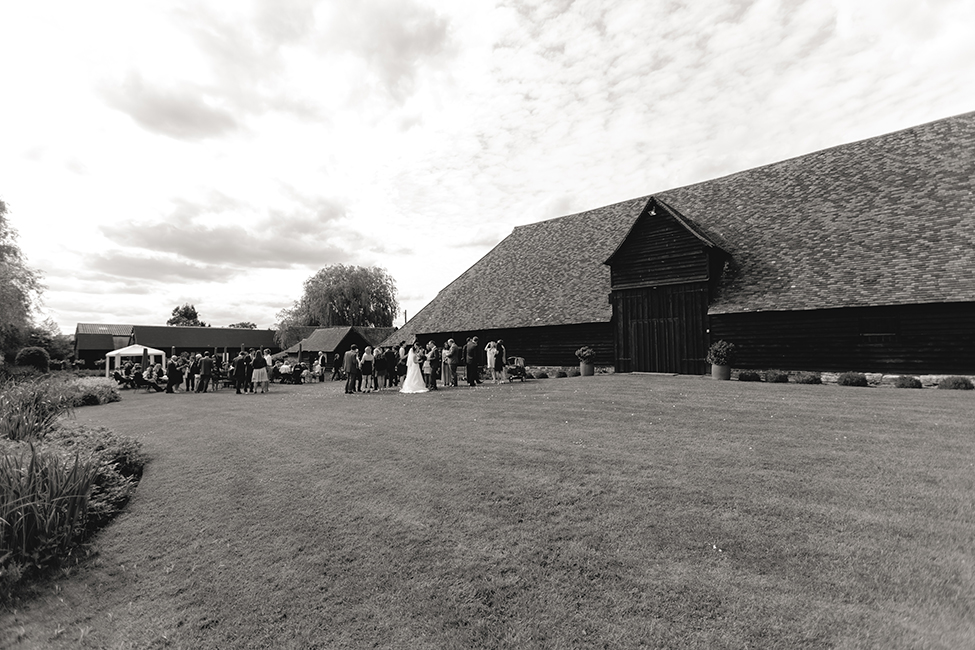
[[341, 295]]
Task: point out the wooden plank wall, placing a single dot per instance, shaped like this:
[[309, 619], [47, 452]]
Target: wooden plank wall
[[553, 345], [662, 329], [918, 339], [659, 250]]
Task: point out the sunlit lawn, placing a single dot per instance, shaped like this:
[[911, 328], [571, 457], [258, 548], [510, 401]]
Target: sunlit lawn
[[605, 512]]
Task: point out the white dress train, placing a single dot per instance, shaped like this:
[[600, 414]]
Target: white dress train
[[414, 377]]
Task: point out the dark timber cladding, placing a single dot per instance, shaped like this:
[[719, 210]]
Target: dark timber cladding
[[660, 294], [918, 339], [539, 346]]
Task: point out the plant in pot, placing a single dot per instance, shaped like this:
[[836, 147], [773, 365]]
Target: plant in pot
[[586, 356], [721, 355]]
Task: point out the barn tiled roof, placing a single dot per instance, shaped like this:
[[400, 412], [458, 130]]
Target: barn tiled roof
[[884, 221], [545, 273], [330, 339]]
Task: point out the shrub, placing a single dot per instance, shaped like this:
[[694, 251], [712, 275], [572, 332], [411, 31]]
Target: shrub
[[808, 378], [29, 410], [43, 486], [776, 377], [43, 503], [748, 375], [956, 383], [574, 372], [852, 379], [540, 374], [120, 461], [906, 381], [34, 357], [721, 353], [561, 374], [91, 391]]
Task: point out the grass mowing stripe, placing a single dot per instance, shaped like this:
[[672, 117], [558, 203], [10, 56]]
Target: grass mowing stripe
[[586, 512]]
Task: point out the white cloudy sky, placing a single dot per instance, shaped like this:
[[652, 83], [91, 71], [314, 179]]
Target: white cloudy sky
[[220, 152]]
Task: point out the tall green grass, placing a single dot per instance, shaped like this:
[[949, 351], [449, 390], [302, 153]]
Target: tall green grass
[[29, 410], [43, 500]]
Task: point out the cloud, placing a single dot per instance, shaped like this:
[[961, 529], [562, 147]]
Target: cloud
[[395, 38], [119, 264], [183, 113], [311, 234]]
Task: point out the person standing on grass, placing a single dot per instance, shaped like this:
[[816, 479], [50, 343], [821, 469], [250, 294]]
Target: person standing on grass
[[453, 361], [259, 376], [471, 354], [367, 368], [433, 363], [173, 375], [350, 365], [391, 358], [380, 367], [240, 371], [206, 372], [500, 360]]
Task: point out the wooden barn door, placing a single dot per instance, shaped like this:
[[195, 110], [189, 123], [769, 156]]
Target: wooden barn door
[[662, 329]]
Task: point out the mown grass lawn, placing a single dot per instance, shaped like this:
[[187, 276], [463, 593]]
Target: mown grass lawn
[[606, 512]]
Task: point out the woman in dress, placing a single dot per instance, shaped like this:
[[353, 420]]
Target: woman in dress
[[500, 361], [492, 352], [413, 383], [366, 367], [259, 376]]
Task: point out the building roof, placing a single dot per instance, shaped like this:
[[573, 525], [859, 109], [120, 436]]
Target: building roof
[[545, 273], [103, 328], [884, 221], [168, 336], [330, 339]]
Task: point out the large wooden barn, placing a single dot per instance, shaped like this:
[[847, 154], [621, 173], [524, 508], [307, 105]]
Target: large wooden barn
[[859, 257]]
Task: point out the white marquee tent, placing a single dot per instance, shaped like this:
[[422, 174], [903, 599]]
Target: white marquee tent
[[138, 351]]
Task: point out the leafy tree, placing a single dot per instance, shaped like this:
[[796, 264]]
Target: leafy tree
[[244, 325], [48, 335], [186, 315], [20, 288], [342, 295]]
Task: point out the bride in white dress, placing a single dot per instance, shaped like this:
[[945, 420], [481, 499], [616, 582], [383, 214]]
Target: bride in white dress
[[414, 376]]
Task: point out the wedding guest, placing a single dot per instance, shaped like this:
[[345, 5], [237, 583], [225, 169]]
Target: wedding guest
[[391, 361], [259, 376], [500, 359], [206, 372], [367, 369], [380, 367], [491, 351], [471, 358], [453, 361], [350, 364]]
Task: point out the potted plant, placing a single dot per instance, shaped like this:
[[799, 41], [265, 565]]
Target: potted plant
[[721, 355], [586, 356]]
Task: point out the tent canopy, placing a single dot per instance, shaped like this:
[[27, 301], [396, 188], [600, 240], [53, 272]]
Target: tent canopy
[[131, 351]]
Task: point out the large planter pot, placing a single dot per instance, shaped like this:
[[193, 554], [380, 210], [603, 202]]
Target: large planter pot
[[587, 369], [721, 372]]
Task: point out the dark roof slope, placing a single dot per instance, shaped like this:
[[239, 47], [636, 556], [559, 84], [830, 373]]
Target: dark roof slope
[[545, 273], [324, 339], [167, 336], [889, 220], [884, 221], [110, 329]]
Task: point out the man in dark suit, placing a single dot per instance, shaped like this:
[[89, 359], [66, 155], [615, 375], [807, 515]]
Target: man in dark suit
[[471, 354], [453, 360], [206, 372], [241, 361], [350, 365]]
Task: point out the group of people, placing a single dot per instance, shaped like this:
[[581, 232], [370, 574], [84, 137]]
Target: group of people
[[249, 371], [417, 368]]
